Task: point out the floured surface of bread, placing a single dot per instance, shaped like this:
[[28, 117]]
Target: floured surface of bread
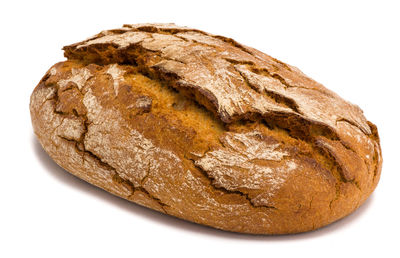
[[201, 127]]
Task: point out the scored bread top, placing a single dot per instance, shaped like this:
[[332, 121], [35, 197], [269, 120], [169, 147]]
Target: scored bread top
[[234, 80]]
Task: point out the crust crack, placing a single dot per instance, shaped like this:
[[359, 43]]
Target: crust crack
[[227, 191], [80, 148]]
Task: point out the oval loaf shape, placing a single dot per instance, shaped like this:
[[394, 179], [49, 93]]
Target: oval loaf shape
[[203, 128]]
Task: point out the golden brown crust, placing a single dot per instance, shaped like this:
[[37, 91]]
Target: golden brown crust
[[201, 127]]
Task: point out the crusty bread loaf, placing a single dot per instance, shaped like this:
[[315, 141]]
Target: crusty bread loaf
[[203, 128]]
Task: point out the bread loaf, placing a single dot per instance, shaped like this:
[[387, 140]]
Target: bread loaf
[[203, 128]]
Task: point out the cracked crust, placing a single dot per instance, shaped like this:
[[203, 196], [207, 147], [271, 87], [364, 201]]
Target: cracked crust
[[203, 128]]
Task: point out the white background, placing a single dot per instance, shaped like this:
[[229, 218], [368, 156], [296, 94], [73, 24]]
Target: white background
[[352, 47]]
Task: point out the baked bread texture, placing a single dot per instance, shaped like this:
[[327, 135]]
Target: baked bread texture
[[203, 128]]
